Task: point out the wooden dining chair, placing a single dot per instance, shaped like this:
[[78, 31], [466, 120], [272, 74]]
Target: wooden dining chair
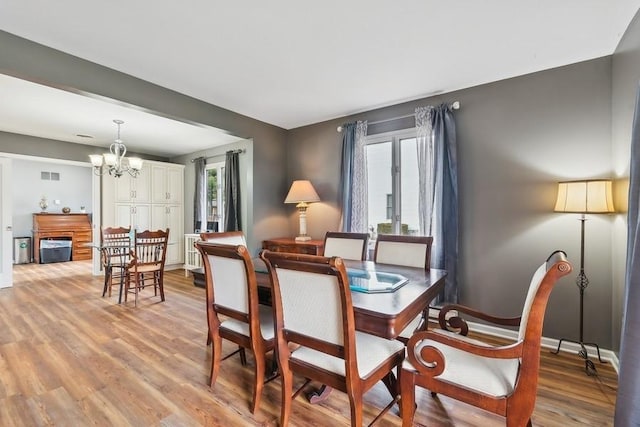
[[502, 379], [346, 245], [408, 251], [115, 244], [225, 237], [233, 312], [146, 267], [316, 336]]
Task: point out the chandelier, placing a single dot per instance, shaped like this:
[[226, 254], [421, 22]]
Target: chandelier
[[114, 161]]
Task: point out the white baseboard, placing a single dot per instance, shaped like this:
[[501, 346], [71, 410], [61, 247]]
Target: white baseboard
[[550, 343]]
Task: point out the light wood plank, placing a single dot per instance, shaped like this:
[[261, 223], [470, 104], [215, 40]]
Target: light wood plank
[[70, 357]]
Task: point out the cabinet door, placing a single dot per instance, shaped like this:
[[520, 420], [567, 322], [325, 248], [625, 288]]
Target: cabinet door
[[175, 249], [175, 184], [142, 217], [130, 189], [142, 185], [123, 215], [170, 216], [159, 179], [123, 188]]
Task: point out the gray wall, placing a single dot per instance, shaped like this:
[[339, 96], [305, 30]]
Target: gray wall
[[516, 138], [30, 61], [625, 86], [72, 190]]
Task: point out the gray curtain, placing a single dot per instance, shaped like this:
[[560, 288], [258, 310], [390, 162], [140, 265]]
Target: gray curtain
[[627, 402], [200, 194], [232, 192], [346, 173], [445, 200]]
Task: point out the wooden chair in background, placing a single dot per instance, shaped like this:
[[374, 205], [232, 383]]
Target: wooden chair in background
[[225, 237], [408, 251], [115, 245], [314, 313], [346, 245], [232, 292], [146, 267], [503, 379]]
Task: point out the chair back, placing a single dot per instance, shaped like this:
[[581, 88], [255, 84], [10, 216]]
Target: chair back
[[346, 245], [312, 301], [150, 249], [408, 251], [235, 238], [115, 245], [231, 285], [532, 295]]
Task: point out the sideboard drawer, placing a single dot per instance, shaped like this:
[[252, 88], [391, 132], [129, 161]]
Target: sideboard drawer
[[309, 247]]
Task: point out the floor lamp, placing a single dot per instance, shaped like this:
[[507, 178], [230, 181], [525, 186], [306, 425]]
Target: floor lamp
[[584, 197]]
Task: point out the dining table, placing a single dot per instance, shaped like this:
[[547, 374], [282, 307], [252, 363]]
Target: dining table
[[382, 313]]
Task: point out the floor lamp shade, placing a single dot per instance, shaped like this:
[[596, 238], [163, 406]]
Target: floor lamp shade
[[584, 197], [590, 196], [302, 193]]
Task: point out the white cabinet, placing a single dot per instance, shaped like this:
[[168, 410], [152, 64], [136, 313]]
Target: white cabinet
[[130, 189], [153, 200], [138, 216], [169, 216], [167, 183]]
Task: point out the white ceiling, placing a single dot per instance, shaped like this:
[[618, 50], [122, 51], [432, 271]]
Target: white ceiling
[[292, 63]]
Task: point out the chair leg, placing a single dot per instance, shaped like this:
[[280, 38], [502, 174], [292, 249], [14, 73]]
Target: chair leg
[[260, 366], [216, 356], [356, 408], [287, 390], [107, 281], [408, 397], [161, 285], [243, 356]]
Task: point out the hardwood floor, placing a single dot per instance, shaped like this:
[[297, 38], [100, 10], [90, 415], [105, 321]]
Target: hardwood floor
[[69, 357]]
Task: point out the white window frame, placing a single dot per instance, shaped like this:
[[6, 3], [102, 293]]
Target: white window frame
[[219, 166], [396, 138]]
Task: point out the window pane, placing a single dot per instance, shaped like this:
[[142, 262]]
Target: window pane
[[409, 186], [212, 194], [379, 185]]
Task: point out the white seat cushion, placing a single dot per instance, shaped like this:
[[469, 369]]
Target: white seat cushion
[[266, 324], [411, 327], [371, 351], [495, 377]]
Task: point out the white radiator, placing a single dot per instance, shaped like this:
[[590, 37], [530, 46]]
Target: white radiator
[[192, 258]]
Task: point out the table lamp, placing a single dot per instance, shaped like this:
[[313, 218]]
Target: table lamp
[[583, 197], [302, 193]]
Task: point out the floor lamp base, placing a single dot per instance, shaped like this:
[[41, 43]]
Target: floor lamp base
[[589, 366]]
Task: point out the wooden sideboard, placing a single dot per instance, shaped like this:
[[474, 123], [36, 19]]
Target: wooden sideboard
[[286, 244], [73, 226]]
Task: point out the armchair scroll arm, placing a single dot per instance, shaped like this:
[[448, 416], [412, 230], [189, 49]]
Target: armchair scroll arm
[[429, 360], [458, 323]]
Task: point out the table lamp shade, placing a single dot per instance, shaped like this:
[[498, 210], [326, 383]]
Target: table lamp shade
[[587, 196], [302, 191]]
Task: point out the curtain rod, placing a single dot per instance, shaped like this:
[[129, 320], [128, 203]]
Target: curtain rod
[[454, 105], [239, 151]]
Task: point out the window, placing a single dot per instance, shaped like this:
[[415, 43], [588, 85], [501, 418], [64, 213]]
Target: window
[[215, 196], [392, 183]]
